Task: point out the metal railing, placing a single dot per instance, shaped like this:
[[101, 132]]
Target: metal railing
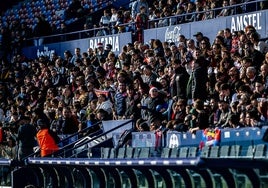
[[131, 26]]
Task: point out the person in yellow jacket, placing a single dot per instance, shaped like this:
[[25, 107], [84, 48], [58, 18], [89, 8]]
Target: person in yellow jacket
[[47, 139]]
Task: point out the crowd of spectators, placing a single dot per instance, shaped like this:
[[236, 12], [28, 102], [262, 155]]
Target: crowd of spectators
[[162, 86]]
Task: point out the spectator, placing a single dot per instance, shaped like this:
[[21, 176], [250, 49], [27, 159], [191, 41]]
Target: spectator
[[196, 87], [41, 29], [258, 45], [26, 138], [136, 7], [74, 10], [179, 80], [67, 125], [141, 23], [46, 139], [199, 119], [77, 55], [225, 11], [120, 101]]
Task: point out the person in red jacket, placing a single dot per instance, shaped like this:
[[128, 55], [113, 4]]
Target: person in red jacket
[[47, 139]]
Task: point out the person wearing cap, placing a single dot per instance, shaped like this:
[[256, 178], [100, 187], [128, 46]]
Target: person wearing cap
[[26, 137], [46, 139]]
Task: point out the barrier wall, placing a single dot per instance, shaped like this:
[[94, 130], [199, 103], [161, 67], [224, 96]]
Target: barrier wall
[[117, 41], [210, 27]]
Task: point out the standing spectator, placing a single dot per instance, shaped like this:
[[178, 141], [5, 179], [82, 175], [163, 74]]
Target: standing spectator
[[196, 87], [74, 10], [190, 17], [199, 37], [41, 29], [113, 18], [132, 112], [105, 21], [26, 137], [179, 80], [136, 7], [141, 23], [227, 39], [120, 101], [46, 139]]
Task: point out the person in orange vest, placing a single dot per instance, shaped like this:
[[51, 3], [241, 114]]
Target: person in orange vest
[[46, 138]]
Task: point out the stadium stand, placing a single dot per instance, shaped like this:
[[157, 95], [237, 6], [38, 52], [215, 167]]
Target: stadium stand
[[103, 140]]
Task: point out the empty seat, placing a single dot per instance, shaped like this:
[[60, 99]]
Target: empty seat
[[192, 152], [121, 153], [183, 152], [214, 152], [224, 151], [129, 152], [260, 151], [235, 151], [205, 152], [174, 153], [141, 153], [165, 153], [250, 152], [105, 153]]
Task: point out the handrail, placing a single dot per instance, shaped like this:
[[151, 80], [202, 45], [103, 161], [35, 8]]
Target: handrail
[[205, 11], [65, 139], [62, 150]]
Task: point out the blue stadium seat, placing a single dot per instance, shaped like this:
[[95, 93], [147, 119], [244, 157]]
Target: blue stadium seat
[[260, 151], [174, 152], [142, 153], [224, 151], [129, 152], [165, 153], [183, 152], [214, 152], [235, 151], [205, 152]]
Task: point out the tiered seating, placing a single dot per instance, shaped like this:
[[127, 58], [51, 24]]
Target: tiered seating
[[53, 10]]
